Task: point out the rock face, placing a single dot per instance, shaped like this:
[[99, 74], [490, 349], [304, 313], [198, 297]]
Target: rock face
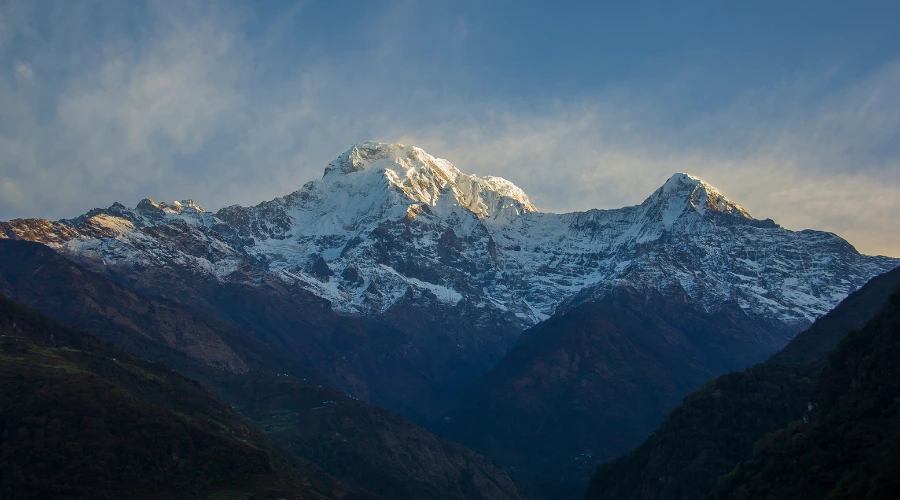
[[455, 265]]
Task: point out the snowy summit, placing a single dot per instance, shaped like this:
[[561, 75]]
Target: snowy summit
[[389, 227]]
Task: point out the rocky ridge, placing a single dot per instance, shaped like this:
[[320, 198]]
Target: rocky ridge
[[394, 233]]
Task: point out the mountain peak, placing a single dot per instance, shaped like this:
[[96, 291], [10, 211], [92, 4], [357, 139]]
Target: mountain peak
[[684, 191], [361, 155], [681, 178], [379, 155], [173, 208], [425, 179]]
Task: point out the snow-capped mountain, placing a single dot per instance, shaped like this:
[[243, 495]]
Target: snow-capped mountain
[[390, 228]]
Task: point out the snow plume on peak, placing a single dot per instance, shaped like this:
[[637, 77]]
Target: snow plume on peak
[[685, 193]]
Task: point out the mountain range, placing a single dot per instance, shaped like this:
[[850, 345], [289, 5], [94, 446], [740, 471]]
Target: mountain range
[[398, 285], [448, 267]]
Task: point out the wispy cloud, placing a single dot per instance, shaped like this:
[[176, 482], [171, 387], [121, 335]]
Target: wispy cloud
[[24, 73], [192, 102]]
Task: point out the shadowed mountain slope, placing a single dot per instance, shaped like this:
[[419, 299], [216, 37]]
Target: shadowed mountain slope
[[81, 418], [589, 384], [376, 449], [847, 445], [37, 276], [401, 279], [716, 427]]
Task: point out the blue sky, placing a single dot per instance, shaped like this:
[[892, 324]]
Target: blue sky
[[792, 109]]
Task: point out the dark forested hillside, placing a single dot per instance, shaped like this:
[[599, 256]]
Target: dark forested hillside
[[81, 418], [362, 444], [589, 384], [847, 445], [35, 275], [238, 327], [716, 427], [852, 313], [711, 431], [375, 449]]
